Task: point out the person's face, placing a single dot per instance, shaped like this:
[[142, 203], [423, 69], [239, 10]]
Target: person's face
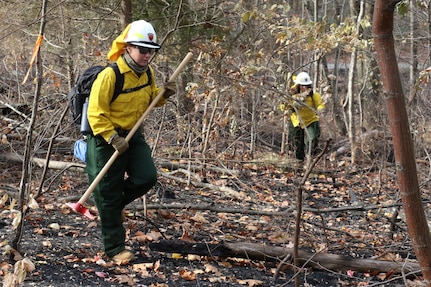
[[303, 88], [141, 55]]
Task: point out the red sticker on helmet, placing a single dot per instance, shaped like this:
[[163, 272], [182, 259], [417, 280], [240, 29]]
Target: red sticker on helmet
[[150, 36]]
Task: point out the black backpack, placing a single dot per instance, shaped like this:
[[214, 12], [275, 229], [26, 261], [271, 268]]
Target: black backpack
[[81, 90]]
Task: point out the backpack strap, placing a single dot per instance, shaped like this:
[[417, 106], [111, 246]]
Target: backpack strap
[[142, 86], [119, 81]]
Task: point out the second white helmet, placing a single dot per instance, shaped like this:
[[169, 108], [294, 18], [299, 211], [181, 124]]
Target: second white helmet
[[303, 79], [141, 33]]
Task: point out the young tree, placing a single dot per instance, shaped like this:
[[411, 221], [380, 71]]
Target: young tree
[[24, 192], [403, 144]]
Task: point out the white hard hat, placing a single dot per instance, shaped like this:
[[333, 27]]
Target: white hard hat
[[303, 79], [141, 33]]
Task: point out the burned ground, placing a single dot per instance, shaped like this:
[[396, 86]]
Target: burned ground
[[66, 247]]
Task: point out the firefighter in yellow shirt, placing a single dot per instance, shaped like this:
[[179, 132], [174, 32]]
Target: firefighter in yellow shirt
[[110, 123], [304, 127]]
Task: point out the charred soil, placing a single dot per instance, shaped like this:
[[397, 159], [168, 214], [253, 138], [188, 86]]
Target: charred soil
[[66, 247]]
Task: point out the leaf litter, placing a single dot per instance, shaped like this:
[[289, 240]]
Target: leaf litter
[[65, 248]]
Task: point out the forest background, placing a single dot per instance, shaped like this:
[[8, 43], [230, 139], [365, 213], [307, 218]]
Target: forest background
[[246, 54], [227, 111]]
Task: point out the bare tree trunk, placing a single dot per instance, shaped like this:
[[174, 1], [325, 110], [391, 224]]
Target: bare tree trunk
[[253, 120], [207, 132], [285, 135], [126, 17], [403, 144], [316, 56], [335, 84], [370, 100], [413, 46], [296, 5], [350, 114], [429, 31]]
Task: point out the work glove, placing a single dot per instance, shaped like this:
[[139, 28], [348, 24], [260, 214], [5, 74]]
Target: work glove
[[296, 104], [119, 143], [298, 99], [170, 89]]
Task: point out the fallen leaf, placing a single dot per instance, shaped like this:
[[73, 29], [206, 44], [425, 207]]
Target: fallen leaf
[[209, 268], [125, 279], [186, 237], [47, 244], [49, 206], [9, 280], [54, 226], [9, 250], [16, 221], [265, 219], [253, 227], [101, 274], [166, 214], [27, 265], [92, 224], [217, 279], [33, 203], [198, 217], [149, 237], [4, 199], [157, 266], [177, 256], [142, 268], [99, 261], [188, 275], [250, 282], [193, 257]]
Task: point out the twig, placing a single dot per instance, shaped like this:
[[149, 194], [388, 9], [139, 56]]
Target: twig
[[299, 207], [48, 153]]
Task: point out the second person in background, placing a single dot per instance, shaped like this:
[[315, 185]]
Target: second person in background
[[304, 127]]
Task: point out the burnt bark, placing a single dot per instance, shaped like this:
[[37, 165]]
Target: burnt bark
[[383, 21]]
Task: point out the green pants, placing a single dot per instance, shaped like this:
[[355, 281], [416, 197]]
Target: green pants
[[116, 190], [301, 140]]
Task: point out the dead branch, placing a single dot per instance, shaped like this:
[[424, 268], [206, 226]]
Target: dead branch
[[220, 209], [53, 164], [264, 252], [174, 165]]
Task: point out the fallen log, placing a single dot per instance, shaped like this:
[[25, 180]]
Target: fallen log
[[171, 165], [53, 164], [224, 189], [254, 251]]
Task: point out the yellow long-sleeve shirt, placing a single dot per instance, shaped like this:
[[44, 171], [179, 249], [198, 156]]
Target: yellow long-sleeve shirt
[[103, 116], [304, 115]]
